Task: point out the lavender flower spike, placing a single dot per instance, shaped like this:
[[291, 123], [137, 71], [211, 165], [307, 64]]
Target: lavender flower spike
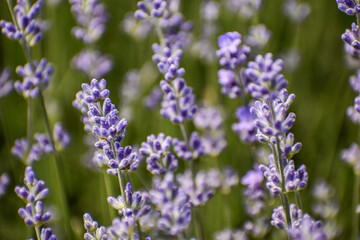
[[278, 216], [36, 216], [4, 182], [46, 234], [93, 231], [351, 39], [348, 6], [61, 136], [258, 36], [34, 80], [6, 85], [231, 55], [158, 156], [150, 8], [352, 157], [245, 127], [193, 150], [307, 229]]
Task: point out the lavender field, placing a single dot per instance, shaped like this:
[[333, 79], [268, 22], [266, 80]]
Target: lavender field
[[179, 119]]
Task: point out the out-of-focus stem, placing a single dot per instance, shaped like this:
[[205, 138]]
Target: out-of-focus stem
[[355, 221], [160, 33], [29, 134], [108, 190], [122, 186], [298, 199]]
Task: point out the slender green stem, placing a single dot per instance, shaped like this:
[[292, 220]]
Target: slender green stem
[[29, 134], [109, 192], [298, 199], [197, 223], [355, 221], [139, 228], [37, 230], [160, 33], [227, 211], [122, 186]]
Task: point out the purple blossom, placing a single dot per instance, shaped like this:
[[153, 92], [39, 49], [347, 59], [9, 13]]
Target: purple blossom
[[132, 205], [34, 80], [353, 114], [351, 40], [173, 203], [288, 147], [27, 27], [150, 9], [348, 6], [139, 30], [254, 194], [213, 143], [61, 136], [92, 63], [168, 60], [34, 190], [351, 156], [229, 85], [178, 104], [123, 228], [191, 150], [295, 179], [278, 216], [245, 8], [257, 37], [153, 100], [46, 234], [245, 127], [222, 181], [121, 159], [355, 82], [6, 85], [198, 190], [158, 156], [271, 120], [273, 176], [231, 54], [91, 17], [34, 216], [4, 182], [263, 76], [296, 11], [308, 229], [93, 231], [208, 119]]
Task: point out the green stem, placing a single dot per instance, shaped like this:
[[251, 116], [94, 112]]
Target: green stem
[[160, 33], [37, 230], [122, 186], [29, 134], [298, 200], [227, 211], [197, 223], [108, 190], [355, 221]]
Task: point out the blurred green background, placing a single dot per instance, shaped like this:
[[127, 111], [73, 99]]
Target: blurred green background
[[320, 85]]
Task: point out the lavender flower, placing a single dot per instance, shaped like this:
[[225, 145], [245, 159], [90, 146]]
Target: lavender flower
[[245, 127], [92, 63], [273, 176], [351, 157], [4, 182], [348, 6], [153, 100], [257, 37], [91, 17], [231, 55], [222, 181], [198, 190], [189, 151], [132, 205], [295, 179], [278, 216], [178, 103], [173, 204], [34, 79], [168, 60], [355, 82], [34, 190], [208, 119], [288, 147], [32, 193], [46, 234], [158, 156], [307, 228], [271, 120], [26, 27], [263, 76], [41, 147], [351, 39], [61, 136], [93, 231], [6, 85], [150, 8], [245, 8], [296, 11], [229, 85], [137, 29], [254, 193]]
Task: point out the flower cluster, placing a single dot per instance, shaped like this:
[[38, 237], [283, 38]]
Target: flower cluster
[[6, 85], [36, 76], [4, 182], [159, 159], [92, 63], [32, 193], [26, 27]]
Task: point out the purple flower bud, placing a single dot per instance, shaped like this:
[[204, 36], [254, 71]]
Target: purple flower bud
[[93, 65]]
